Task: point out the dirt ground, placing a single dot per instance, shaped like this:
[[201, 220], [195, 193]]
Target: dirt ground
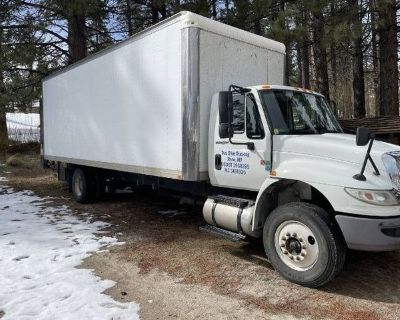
[[176, 272]]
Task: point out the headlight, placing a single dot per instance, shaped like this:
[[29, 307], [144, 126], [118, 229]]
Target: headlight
[[377, 197], [391, 162]]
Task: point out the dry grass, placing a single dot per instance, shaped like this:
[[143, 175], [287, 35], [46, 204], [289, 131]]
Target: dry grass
[[23, 171], [18, 160], [23, 156], [24, 148], [12, 147]]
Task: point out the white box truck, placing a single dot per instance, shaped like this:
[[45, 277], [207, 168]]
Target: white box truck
[[199, 107]]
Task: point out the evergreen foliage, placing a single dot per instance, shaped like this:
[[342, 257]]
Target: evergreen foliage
[[346, 49]]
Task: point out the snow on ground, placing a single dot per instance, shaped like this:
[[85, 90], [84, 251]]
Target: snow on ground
[[40, 246], [23, 127]]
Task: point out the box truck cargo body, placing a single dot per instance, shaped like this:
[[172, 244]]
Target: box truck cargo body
[[199, 107], [156, 88]]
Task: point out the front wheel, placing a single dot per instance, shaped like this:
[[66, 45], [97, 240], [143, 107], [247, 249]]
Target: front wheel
[[303, 244]]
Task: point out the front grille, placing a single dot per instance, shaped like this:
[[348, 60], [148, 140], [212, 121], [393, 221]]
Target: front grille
[[396, 194]]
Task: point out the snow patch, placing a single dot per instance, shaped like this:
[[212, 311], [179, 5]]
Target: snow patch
[[40, 247]]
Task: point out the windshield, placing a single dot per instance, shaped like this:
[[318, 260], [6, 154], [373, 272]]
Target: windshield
[[295, 112]]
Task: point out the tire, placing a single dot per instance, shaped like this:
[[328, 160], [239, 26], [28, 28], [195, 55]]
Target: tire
[[303, 244], [84, 186]]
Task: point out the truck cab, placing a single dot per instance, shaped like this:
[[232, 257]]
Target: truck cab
[[318, 191]]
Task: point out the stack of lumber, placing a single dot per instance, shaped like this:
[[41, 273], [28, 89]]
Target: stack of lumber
[[385, 128]]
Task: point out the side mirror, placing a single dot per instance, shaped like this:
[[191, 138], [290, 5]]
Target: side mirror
[[225, 114], [363, 136], [224, 106], [224, 131]]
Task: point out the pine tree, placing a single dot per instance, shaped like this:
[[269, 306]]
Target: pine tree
[[356, 27], [319, 49], [388, 58]]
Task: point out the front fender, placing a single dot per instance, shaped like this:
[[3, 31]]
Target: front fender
[[319, 170], [329, 177]]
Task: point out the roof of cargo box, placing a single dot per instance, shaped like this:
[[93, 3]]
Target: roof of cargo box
[[188, 20]]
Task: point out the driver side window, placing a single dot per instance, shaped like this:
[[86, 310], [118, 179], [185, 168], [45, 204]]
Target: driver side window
[[238, 114], [246, 118]]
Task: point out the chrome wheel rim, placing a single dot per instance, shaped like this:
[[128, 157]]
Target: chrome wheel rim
[[296, 245]]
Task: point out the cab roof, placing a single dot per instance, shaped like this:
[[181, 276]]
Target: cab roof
[[279, 87]]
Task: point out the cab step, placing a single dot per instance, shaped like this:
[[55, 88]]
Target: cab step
[[232, 201], [229, 235]]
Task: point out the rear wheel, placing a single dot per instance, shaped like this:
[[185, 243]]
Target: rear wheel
[[303, 244], [84, 187]]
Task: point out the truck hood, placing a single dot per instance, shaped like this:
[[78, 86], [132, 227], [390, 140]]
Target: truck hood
[[337, 146]]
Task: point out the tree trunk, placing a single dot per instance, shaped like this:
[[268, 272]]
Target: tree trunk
[[306, 65], [214, 8], [375, 55], [319, 51], [3, 130], [303, 55], [257, 25], [299, 65], [279, 18], [388, 67], [77, 35], [358, 81], [3, 120], [163, 11], [332, 52], [128, 17], [358, 60], [305, 52], [154, 12]]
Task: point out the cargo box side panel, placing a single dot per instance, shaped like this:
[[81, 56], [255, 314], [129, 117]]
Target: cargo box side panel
[[121, 110], [225, 61]]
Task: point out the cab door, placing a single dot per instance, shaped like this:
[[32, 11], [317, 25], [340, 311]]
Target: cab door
[[235, 164]]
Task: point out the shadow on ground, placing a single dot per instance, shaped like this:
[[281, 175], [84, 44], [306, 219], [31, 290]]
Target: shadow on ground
[[366, 275], [369, 275]]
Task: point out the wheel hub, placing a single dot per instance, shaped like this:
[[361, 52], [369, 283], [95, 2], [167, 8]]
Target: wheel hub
[[293, 246], [296, 245]]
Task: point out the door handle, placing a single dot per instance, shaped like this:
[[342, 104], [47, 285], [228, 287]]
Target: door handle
[[218, 162]]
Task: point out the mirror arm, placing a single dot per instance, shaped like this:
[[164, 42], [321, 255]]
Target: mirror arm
[[377, 173], [250, 145], [360, 176]]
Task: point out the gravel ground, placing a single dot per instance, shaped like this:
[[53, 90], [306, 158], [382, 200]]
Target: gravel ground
[[174, 271]]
